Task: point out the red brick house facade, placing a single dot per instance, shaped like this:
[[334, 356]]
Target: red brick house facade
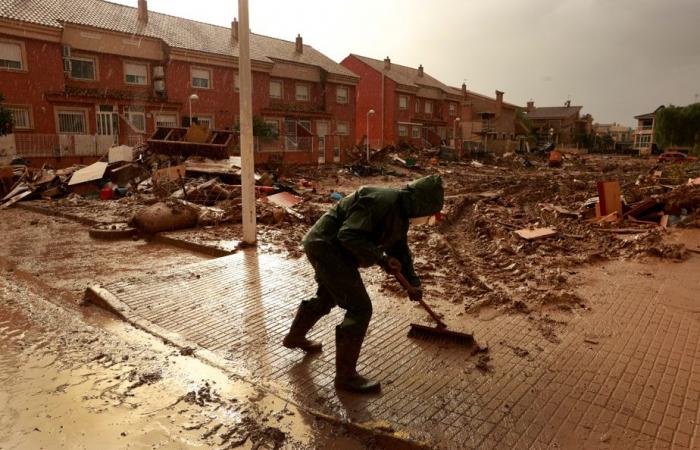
[[82, 75], [409, 105], [488, 120]]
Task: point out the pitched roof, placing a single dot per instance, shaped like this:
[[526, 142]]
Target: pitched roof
[[554, 112], [650, 115], [458, 91], [176, 32], [405, 75]]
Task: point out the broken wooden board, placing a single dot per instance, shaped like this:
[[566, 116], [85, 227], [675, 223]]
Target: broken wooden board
[[609, 197], [531, 234], [15, 199], [173, 173], [230, 166], [92, 172], [284, 199]]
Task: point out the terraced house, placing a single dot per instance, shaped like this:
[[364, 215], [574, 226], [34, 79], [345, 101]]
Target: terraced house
[[82, 75], [401, 104]]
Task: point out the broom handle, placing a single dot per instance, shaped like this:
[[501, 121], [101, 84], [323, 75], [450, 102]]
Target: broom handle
[[411, 289]]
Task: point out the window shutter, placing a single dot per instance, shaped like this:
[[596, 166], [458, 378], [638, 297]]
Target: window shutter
[[139, 70], [200, 73], [10, 51]]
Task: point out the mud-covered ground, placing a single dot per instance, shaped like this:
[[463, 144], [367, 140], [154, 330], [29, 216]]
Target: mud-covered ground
[[473, 259], [75, 377]]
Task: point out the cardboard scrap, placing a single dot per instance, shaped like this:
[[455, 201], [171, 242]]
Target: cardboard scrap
[[532, 234], [173, 173], [284, 199], [121, 153], [92, 172]]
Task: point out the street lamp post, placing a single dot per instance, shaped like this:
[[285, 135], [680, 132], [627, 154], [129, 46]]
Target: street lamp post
[[454, 132], [194, 97], [369, 113]]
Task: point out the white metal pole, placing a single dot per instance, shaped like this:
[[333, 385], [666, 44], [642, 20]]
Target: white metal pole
[[246, 108]]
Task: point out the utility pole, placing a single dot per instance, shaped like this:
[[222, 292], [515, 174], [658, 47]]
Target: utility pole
[[246, 104]]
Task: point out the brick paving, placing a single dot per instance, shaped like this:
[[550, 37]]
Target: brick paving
[[624, 375]]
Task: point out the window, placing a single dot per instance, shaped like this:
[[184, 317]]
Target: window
[[342, 128], [403, 102], [415, 132], [201, 78], [341, 94], [207, 121], [71, 122], [135, 73], [82, 68], [276, 89], [417, 105], [21, 117], [403, 130], [453, 109], [428, 107], [165, 119], [273, 125], [11, 56], [136, 116], [302, 92], [236, 82]]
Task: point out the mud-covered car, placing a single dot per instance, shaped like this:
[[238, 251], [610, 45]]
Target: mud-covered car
[[676, 157]]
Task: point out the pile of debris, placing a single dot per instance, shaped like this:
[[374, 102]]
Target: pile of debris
[[515, 237], [155, 191]]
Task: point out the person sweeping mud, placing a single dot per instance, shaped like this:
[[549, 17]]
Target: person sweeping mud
[[365, 228]]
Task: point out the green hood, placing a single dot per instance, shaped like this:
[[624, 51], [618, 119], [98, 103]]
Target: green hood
[[423, 197]]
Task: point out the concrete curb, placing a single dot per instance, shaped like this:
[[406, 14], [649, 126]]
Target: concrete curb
[[104, 299], [166, 240], [49, 212]]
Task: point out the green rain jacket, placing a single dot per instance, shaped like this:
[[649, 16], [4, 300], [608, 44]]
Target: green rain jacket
[[372, 223]]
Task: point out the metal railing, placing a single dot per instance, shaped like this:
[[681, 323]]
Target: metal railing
[[61, 145]]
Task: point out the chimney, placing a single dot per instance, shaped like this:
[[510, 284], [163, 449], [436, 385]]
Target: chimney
[[464, 90], [143, 11], [530, 106], [499, 101], [234, 29], [387, 63], [420, 70], [300, 44]]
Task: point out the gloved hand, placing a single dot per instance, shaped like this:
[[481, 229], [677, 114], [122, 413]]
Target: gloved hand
[[391, 265], [416, 294]]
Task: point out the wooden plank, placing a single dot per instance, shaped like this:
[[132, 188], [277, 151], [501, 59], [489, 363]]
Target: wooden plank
[[284, 199], [609, 197], [535, 233]]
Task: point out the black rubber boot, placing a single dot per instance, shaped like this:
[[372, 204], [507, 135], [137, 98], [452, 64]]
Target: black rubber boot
[[305, 319], [348, 347]]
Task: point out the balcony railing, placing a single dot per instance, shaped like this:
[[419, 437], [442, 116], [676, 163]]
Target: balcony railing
[[645, 128]]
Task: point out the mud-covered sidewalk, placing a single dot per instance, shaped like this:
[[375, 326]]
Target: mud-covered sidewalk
[[74, 377]]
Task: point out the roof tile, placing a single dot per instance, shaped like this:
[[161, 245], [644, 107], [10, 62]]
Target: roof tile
[[176, 32]]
